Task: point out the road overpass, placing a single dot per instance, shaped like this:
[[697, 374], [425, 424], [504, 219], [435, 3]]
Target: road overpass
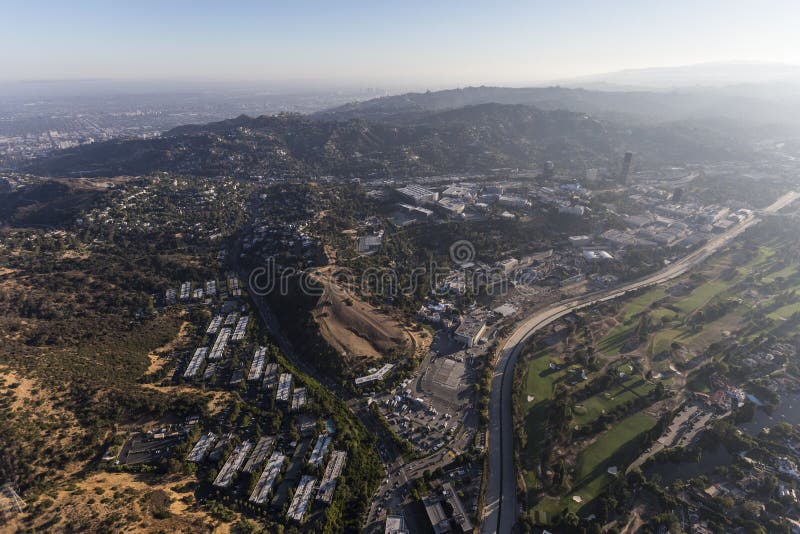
[[500, 510]]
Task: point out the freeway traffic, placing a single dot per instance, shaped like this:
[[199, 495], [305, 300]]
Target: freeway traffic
[[500, 510]]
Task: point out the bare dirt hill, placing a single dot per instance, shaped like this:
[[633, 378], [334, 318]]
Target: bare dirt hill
[[355, 328]]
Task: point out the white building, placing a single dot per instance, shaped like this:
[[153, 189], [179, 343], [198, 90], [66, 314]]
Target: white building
[[470, 330], [418, 194], [572, 210]]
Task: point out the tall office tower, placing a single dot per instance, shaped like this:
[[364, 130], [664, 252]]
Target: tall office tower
[[548, 170], [626, 167]]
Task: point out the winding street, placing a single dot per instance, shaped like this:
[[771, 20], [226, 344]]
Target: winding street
[[500, 511]]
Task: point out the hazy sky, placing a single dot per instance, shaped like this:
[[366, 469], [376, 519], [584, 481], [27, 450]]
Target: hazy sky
[[405, 42]]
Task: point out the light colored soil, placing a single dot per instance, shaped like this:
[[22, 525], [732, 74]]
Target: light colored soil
[[34, 412], [31, 402], [92, 500], [22, 392], [635, 523], [422, 341], [87, 500], [217, 400], [355, 328], [73, 254], [160, 356]]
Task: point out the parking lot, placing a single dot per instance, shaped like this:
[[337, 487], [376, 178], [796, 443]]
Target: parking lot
[[142, 448]]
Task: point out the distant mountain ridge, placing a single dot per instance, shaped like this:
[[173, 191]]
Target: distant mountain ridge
[[718, 74], [631, 107], [465, 139]]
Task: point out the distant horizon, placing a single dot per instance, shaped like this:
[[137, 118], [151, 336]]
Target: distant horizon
[[416, 44], [313, 85]]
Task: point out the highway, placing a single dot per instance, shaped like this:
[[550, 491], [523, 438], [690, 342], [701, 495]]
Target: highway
[[500, 510]]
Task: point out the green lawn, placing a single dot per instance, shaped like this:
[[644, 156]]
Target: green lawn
[[622, 443], [540, 380], [639, 303], [617, 447], [786, 272], [784, 312], [632, 387], [702, 294], [614, 340], [632, 308], [711, 332], [598, 456], [662, 339], [538, 386]]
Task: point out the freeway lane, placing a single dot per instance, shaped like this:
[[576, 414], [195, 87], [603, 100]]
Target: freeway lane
[[500, 510]]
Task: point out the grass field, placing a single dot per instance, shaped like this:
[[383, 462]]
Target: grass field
[[604, 452], [676, 309], [784, 312], [786, 272], [614, 339], [641, 302], [538, 386], [540, 379], [617, 447], [672, 315], [701, 295], [593, 407]]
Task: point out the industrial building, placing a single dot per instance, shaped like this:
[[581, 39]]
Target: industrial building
[[302, 496], [200, 448], [470, 330], [418, 194], [218, 349], [376, 375], [267, 480], [332, 472], [320, 448], [232, 465], [260, 452], [284, 387], [196, 362], [257, 367]]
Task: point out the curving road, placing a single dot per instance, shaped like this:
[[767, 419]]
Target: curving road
[[500, 511]]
